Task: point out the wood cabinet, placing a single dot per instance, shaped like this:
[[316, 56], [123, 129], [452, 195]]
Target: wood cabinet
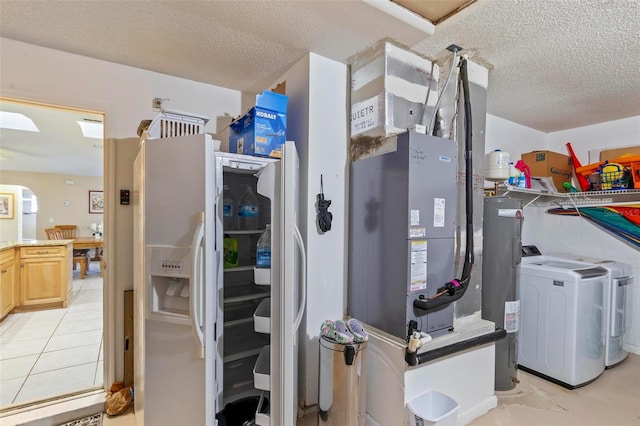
[[45, 276], [7, 282]]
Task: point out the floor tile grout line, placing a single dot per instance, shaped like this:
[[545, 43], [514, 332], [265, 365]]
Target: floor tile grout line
[[62, 368]]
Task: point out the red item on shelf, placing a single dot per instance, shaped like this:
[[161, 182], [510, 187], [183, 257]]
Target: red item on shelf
[[522, 166], [582, 180]]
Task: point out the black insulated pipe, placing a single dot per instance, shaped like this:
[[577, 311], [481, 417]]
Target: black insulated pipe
[[455, 289]]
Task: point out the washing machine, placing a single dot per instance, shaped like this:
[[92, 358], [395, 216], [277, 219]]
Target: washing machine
[[561, 318], [617, 300]]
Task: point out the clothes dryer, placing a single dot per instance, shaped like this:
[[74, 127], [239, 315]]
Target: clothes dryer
[[561, 322]]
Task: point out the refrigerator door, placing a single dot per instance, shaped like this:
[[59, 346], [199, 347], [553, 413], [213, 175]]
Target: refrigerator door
[[279, 181], [177, 228]]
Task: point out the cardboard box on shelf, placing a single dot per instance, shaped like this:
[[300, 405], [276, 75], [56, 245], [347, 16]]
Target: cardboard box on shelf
[[263, 129], [549, 163], [612, 154]]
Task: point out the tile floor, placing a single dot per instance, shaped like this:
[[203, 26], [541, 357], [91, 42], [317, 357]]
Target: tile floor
[[56, 351], [611, 400]]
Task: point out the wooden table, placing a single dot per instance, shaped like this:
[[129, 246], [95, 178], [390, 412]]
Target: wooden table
[[88, 243]]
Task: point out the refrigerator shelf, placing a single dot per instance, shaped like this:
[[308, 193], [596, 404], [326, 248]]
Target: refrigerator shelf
[[244, 232], [241, 341], [238, 379], [262, 317], [263, 414], [241, 355], [239, 321], [242, 292], [240, 310], [262, 370], [240, 268]]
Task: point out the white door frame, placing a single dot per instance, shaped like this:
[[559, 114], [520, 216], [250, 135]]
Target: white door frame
[[109, 291]]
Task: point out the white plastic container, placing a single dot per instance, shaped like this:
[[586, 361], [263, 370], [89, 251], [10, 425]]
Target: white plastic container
[[433, 408], [496, 165]]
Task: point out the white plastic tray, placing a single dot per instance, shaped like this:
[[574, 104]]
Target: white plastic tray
[[261, 371], [262, 317]]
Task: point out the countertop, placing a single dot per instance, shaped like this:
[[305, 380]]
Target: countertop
[[33, 243]]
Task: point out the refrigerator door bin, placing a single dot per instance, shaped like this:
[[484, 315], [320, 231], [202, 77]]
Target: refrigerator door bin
[[240, 341], [262, 276], [262, 317], [262, 413], [261, 371]]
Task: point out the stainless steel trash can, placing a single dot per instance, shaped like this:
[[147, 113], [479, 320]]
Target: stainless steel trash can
[[342, 387]]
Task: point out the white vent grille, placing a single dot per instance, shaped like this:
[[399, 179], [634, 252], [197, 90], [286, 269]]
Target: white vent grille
[[169, 124]]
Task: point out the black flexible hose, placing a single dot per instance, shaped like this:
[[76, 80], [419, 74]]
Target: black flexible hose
[[455, 289]]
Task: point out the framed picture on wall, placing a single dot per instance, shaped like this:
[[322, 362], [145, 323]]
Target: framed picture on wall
[[7, 201], [96, 202]]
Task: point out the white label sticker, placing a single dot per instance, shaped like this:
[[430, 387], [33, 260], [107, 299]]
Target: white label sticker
[[418, 265], [438, 212], [512, 316], [416, 232], [365, 115], [415, 217]]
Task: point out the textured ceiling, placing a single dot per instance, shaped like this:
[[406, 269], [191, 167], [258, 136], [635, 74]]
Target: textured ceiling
[[555, 64]]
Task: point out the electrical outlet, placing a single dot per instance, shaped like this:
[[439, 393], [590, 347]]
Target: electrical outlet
[[156, 103]]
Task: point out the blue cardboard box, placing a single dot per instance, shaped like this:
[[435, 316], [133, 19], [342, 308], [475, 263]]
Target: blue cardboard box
[[263, 129]]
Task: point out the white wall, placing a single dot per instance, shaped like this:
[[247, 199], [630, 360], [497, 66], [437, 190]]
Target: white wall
[[124, 94], [317, 121], [11, 229], [573, 235]]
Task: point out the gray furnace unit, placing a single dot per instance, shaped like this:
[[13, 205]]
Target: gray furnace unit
[[401, 234], [502, 252]]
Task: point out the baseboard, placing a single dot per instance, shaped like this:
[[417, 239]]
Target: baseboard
[[52, 414], [469, 415]]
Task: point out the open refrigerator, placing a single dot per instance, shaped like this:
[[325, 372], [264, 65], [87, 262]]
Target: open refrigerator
[[207, 336]]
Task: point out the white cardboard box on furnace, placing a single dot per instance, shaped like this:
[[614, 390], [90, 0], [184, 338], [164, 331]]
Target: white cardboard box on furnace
[[389, 86]]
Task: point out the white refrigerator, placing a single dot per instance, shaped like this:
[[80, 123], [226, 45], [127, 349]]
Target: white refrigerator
[[208, 336]]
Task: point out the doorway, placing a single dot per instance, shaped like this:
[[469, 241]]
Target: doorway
[[48, 354]]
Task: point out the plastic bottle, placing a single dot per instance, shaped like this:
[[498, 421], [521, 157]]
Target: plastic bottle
[[522, 181], [514, 175], [248, 210], [229, 215], [263, 249]]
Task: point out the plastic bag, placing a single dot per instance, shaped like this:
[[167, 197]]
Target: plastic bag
[[118, 399]]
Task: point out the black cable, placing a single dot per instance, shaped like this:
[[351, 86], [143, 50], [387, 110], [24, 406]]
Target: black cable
[[324, 215], [455, 289]]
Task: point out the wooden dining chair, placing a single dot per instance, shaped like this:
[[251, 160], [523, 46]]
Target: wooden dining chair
[[80, 257], [68, 231]]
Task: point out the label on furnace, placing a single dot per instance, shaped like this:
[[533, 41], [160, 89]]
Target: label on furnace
[[438, 212], [418, 265]]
